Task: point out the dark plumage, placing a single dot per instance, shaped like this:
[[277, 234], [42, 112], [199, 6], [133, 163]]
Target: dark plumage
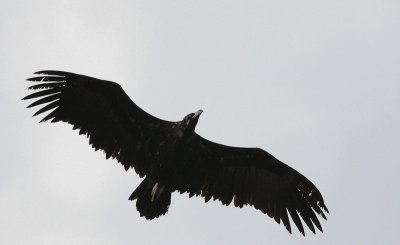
[[171, 156]]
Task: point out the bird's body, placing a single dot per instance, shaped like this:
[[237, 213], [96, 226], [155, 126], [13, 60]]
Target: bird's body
[[171, 156]]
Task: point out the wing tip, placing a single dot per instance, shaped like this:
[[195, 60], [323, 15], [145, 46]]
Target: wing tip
[[325, 208], [45, 72], [52, 73]]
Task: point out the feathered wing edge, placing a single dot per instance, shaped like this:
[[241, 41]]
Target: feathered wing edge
[[99, 109], [251, 176]]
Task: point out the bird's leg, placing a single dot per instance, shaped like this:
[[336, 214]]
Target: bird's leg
[[156, 191]]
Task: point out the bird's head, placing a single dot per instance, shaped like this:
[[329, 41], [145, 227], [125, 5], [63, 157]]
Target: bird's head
[[188, 124]]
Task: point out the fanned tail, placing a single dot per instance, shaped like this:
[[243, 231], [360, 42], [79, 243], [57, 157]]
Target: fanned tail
[[149, 205]]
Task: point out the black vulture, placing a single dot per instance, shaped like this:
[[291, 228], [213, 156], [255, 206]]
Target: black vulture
[[171, 156]]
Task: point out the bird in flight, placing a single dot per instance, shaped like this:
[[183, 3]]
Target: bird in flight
[[171, 156]]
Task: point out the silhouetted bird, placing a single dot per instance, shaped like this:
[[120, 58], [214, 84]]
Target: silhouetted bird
[[172, 156]]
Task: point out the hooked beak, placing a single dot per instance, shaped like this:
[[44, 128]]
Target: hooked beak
[[198, 113]]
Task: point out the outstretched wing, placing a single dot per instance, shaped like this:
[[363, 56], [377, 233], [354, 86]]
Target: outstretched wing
[[251, 176], [101, 110]]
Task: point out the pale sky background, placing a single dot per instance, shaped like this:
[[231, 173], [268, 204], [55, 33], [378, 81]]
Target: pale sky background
[[315, 83]]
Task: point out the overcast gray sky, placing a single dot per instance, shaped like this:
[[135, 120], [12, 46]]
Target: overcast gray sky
[[315, 83]]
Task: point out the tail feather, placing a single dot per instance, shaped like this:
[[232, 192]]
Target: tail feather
[[147, 206]]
